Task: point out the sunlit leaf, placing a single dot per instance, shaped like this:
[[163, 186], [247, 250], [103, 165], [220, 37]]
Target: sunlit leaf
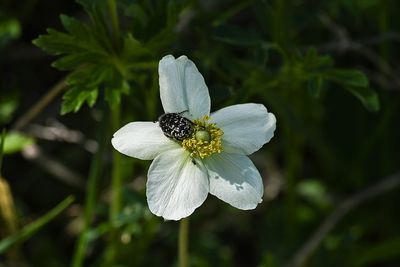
[[15, 142], [314, 191]]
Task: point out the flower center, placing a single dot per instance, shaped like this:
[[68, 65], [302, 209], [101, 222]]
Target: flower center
[[205, 140]]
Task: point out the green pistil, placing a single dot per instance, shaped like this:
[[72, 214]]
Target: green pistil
[[206, 139]]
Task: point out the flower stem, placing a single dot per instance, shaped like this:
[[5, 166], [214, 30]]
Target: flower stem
[[183, 242], [115, 124], [91, 191], [114, 20], [116, 182], [116, 175], [116, 193]]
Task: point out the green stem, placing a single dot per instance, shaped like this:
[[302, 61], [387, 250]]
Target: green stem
[[384, 27], [116, 192], [91, 192], [114, 20], [183, 242], [27, 231], [293, 149], [116, 183], [116, 179]]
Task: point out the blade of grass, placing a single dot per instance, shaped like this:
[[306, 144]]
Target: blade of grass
[[7, 209], [30, 229]]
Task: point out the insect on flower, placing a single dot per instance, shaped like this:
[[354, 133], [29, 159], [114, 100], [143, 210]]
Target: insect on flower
[[175, 126]]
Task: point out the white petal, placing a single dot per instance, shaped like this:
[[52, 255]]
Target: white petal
[[142, 140], [175, 185], [235, 180], [182, 87], [246, 127]]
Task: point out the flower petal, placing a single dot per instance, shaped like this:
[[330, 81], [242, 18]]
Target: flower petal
[[247, 127], [182, 87], [235, 180], [142, 140], [176, 186]]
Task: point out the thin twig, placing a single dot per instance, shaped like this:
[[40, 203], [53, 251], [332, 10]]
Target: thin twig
[[345, 43], [52, 166], [43, 102], [383, 37], [56, 131], [387, 184]]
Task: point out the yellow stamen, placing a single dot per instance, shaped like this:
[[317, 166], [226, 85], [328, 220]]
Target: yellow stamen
[[201, 147]]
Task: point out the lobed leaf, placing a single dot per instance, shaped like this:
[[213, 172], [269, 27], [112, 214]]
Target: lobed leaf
[[75, 97], [96, 61]]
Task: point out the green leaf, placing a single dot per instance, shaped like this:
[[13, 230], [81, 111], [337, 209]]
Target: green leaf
[[86, 50], [347, 77], [314, 61], [90, 75], [314, 191], [356, 83], [8, 104], [315, 85], [113, 94], [15, 142], [27, 231], [76, 60], [75, 97], [75, 27], [57, 43], [10, 29], [133, 51], [137, 13], [367, 96]]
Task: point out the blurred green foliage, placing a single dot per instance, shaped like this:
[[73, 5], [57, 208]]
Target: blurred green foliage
[[326, 69], [15, 142]]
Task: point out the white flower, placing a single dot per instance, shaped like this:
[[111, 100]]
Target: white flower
[[213, 159]]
